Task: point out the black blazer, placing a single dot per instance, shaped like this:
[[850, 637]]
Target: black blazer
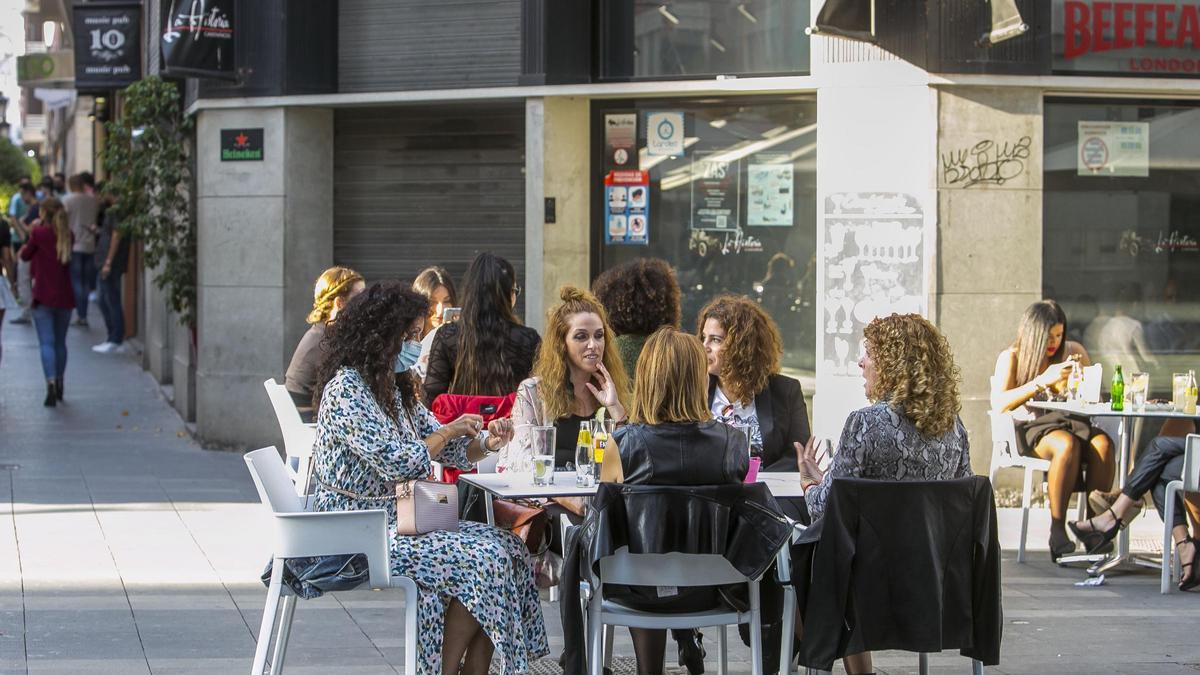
[[901, 565], [782, 419]]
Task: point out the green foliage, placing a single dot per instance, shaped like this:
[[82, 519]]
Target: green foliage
[[14, 165], [7, 191], [146, 158]]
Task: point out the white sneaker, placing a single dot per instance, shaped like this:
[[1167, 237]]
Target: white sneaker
[[118, 348], [104, 348]]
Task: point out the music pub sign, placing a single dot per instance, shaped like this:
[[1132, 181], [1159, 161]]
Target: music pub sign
[[1147, 38]]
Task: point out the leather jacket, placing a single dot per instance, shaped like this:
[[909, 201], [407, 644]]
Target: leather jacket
[[686, 453], [738, 521]]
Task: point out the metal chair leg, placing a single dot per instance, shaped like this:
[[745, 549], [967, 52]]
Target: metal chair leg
[[976, 667], [756, 646], [923, 663], [1026, 499], [410, 622], [610, 638], [722, 650], [285, 633], [267, 628], [1168, 554]]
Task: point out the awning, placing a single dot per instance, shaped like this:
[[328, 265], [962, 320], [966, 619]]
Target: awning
[[53, 99], [855, 19]]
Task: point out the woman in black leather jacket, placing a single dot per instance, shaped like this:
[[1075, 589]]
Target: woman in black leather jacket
[[674, 440]]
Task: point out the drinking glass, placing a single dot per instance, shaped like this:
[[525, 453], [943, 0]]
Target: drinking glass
[[542, 441], [1179, 385], [745, 429], [583, 456], [1139, 385], [1074, 381], [602, 433]]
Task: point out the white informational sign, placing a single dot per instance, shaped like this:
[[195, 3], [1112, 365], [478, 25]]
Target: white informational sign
[[664, 133], [770, 195], [1114, 149]]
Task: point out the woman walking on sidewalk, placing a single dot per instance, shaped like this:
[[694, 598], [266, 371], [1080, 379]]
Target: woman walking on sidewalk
[[49, 253]]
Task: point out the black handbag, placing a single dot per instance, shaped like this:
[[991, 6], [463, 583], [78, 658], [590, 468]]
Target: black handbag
[[313, 577]]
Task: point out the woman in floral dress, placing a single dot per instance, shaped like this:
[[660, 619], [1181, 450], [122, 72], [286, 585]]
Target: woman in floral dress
[[476, 591]]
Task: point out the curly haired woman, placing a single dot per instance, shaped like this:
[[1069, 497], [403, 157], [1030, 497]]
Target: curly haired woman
[[476, 592], [745, 388], [641, 296], [911, 432]]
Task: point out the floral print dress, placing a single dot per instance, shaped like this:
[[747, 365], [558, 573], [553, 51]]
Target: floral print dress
[[360, 450]]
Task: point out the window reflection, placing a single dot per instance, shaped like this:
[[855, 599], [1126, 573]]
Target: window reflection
[[711, 37], [1121, 252]]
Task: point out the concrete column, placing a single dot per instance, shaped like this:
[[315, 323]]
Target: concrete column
[[157, 331], [989, 232], [557, 165], [265, 234]]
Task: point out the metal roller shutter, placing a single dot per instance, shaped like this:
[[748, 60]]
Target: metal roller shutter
[[428, 185]]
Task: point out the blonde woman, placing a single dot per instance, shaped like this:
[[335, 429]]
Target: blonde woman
[[911, 432], [49, 253], [577, 371], [333, 290]]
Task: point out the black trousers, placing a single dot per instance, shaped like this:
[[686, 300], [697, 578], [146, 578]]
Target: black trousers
[[1160, 463]]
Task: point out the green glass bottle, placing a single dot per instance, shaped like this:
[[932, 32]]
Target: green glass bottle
[[1117, 391]]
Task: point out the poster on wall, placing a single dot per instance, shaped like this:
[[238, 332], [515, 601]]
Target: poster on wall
[[1113, 149], [627, 208], [108, 41], [664, 133], [873, 249], [197, 39], [620, 141], [770, 190], [716, 186]]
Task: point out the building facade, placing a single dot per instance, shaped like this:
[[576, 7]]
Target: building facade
[[833, 180]]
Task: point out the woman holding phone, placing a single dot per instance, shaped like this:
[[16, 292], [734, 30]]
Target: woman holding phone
[[1037, 364]]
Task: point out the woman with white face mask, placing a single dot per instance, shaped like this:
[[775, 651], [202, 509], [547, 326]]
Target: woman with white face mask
[[476, 585]]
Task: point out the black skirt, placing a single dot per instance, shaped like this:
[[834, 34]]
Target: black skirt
[[1030, 433]]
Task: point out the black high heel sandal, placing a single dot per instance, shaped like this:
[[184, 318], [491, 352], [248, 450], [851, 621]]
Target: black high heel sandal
[[1095, 539], [1192, 579]]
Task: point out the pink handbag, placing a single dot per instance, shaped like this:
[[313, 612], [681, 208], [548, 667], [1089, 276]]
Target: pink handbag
[[425, 506]]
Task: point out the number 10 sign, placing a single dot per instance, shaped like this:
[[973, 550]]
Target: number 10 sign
[[107, 45]]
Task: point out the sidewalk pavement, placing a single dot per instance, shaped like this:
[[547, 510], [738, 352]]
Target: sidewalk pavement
[[125, 547]]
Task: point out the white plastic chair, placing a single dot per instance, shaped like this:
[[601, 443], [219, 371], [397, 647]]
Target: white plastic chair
[[300, 534], [298, 437], [1006, 454], [667, 569], [1190, 482]]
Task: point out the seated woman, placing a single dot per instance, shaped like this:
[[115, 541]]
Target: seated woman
[[578, 371], [1037, 362], [1158, 465], [434, 283], [333, 290], [476, 591], [744, 348], [670, 412], [910, 432], [640, 296]]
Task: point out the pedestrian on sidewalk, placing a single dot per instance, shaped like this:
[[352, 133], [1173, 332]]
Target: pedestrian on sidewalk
[[21, 227], [82, 209], [113, 249], [7, 301], [49, 251]]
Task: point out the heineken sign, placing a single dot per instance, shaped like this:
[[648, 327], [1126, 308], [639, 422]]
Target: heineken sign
[[241, 145]]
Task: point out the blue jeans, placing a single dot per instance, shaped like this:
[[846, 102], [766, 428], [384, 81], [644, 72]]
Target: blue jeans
[[83, 280], [51, 324], [109, 300]]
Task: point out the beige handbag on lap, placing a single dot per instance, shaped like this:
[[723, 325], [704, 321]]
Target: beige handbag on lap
[[425, 506]]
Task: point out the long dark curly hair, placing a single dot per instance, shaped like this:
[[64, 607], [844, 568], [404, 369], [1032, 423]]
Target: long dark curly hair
[[640, 296], [481, 366], [367, 336]]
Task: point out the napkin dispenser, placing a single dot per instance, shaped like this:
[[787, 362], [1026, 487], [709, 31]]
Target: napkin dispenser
[[1089, 389]]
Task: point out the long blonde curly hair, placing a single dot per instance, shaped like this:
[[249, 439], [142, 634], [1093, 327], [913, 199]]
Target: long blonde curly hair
[[551, 367], [752, 348], [916, 371]]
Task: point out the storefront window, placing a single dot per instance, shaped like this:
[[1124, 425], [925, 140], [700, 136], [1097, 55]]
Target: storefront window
[[696, 38], [1122, 226], [733, 210]]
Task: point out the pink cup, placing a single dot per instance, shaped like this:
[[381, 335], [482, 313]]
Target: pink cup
[[752, 472]]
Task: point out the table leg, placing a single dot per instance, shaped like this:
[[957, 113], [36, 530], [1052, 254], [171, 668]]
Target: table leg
[[1122, 559], [487, 504]]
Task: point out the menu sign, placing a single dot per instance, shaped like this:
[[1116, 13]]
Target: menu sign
[[716, 187], [197, 39], [627, 208], [1113, 149], [108, 40], [1128, 38], [620, 141]]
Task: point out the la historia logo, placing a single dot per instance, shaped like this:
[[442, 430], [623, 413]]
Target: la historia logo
[[1096, 27]]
